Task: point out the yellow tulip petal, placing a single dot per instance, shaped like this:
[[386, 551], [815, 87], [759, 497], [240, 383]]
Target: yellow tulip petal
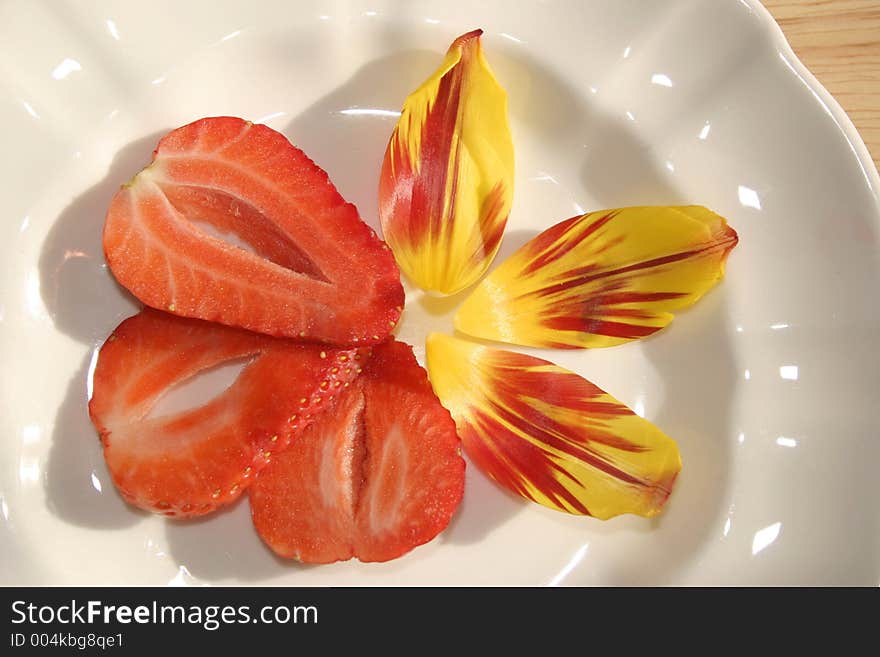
[[601, 279], [446, 185], [550, 435]]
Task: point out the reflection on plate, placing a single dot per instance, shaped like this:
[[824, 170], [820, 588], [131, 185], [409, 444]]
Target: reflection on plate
[[768, 384]]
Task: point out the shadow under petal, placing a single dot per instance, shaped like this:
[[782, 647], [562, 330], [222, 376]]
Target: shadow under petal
[[693, 355], [346, 132], [618, 168], [697, 413], [485, 506], [513, 241]]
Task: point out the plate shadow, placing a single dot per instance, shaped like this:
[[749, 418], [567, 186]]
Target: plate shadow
[[81, 295], [78, 486], [225, 546]]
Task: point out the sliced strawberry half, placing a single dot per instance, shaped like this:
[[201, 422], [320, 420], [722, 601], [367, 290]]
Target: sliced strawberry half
[[376, 475], [190, 462], [299, 263]]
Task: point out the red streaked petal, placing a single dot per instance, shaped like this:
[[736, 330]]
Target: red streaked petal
[[550, 435], [601, 279], [446, 185]]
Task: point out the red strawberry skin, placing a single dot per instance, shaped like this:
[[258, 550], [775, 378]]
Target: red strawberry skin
[[373, 479], [315, 270], [190, 462]]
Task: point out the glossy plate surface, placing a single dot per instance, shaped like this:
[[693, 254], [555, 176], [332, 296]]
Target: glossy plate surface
[[769, 384]]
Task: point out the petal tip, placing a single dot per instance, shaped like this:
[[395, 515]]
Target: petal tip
[[467, 38]]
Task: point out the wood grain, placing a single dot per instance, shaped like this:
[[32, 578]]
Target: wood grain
[[839, 41]]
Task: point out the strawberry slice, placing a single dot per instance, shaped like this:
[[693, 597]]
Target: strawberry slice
[[190, 462], [303, 504], [376, 475], [303, 263], [414, 468]]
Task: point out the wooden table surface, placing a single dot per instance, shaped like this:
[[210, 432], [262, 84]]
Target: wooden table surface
[[839, 41]]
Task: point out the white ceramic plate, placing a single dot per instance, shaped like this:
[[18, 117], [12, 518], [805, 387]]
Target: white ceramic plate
[[769, 384]]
